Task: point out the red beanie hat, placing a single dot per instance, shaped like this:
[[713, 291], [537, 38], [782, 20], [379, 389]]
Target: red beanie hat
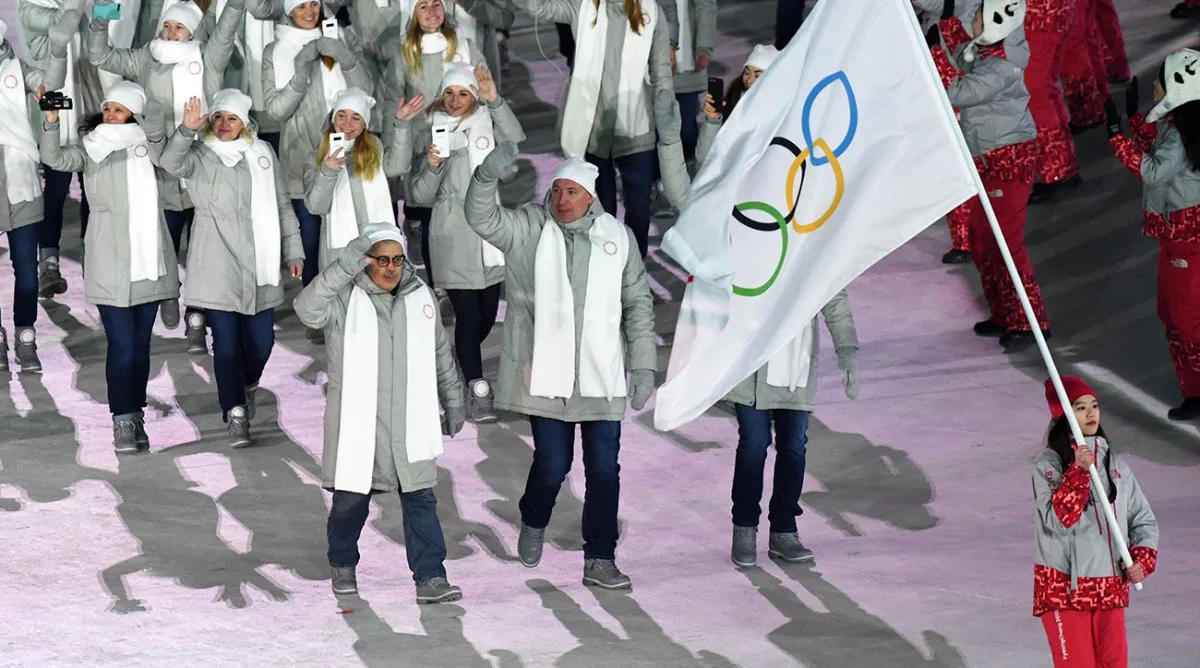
[[1075, 388]]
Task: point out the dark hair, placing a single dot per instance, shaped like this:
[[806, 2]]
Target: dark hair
[[1187, 121], [1062, 442], [737, 88], [93, 121]]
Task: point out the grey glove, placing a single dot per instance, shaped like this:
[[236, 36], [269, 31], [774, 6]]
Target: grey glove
[[453, 420], [848, 365], [338, 50], [666, 115], [353, 257], [641, 382], [63, 31], [498, 163], [304, 59], [153, 119]]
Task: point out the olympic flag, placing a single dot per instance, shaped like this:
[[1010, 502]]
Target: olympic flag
[[841, 152]]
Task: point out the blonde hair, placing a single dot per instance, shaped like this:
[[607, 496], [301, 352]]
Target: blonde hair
[[410, 52], [368, 154], [633, 9]]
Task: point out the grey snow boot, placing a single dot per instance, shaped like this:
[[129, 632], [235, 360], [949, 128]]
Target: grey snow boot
[[168, 310], [50, 280], [344, 581], [480, 407], [604, 573], [744, 552], [125, 436], [437, 590], [26, 350], [195, 332], [529, 545], [251, 403], [239, 428], [787, 546]]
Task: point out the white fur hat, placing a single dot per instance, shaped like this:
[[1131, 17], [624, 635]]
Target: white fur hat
[[1000, 19], [128, 95], [186, 13], [234, 101], [458, 74], [580, 171], [1182, 83], [376, 232], [354, 100], [762, 56]]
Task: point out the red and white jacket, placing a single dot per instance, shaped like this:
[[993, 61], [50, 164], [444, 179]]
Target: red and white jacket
[[1077, 565], [1171, 185]]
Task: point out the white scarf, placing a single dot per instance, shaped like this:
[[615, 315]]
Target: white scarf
[[468, 26], [16, 136], [583, 94], [145, 234], [436, 42], [685, 57], [187, 73], [704, 312], [601, 358], [476, 134], [288, 42], [257, 34], [264, 209], [343, 220], [355, 465]]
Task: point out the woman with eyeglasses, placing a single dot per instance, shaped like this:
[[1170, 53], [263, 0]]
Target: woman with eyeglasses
[[245, 226]]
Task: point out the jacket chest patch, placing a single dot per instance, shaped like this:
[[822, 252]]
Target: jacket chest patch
[[482, 143], [194, 67], [264, 162], [1179, 263], [428, 310], [10, 81], [140, 151]]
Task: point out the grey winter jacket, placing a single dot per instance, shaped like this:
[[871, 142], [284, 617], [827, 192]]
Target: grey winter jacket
[[1169, 181], [754, 391], [155, 77], [516, 233], [604, 142], [455, 251], [301, 106], [35, 25], [702, 16], [323, 305], [1085, 548], [992, 103], [320, 182], [221, 248], [492, 15], [106, 248], [13, 216]]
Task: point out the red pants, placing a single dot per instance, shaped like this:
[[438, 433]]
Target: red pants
[[1056, 149], [1109, 26], [1179, 309], [1087, 639], [1085, 77], [959, 221], [1009, 200]]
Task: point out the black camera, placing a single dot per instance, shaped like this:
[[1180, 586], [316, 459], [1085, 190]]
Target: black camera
[[55, 100]]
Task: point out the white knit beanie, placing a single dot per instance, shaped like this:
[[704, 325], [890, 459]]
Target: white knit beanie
[[580, 171], [128, 95], [233, 101], [762, 56], [289, 5], [185, 13], [356, 100], [458, 74]]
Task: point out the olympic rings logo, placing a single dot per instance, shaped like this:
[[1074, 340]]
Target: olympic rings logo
[[816, 153]]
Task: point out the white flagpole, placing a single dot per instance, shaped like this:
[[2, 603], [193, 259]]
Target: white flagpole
[[1099, 495]]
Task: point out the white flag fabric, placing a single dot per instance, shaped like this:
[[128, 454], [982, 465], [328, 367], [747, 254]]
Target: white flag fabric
[[843, 150]]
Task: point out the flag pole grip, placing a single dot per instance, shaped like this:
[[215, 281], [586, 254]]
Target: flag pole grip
[[1099, 494]]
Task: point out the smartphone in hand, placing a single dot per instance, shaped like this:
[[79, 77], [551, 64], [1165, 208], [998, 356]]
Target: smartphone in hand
[[441, 140], [109, 12], [337, 140], [329, 28], [716, 88]]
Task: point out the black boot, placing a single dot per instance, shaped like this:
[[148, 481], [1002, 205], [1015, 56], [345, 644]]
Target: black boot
[[1046, 193], [955, 256], [989, 328], [1189, 409]]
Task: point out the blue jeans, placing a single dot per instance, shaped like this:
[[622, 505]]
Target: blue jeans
[[127, 365], [754, 435], [272, 138], [176, 222], [637, 181], [423, 540], [424, 216], [553, 451], [310, 238], [241, 347], [23, 246], [689, 131], [54, 197]]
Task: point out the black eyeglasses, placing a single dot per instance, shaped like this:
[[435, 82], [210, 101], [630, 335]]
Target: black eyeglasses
[[384, 261]]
